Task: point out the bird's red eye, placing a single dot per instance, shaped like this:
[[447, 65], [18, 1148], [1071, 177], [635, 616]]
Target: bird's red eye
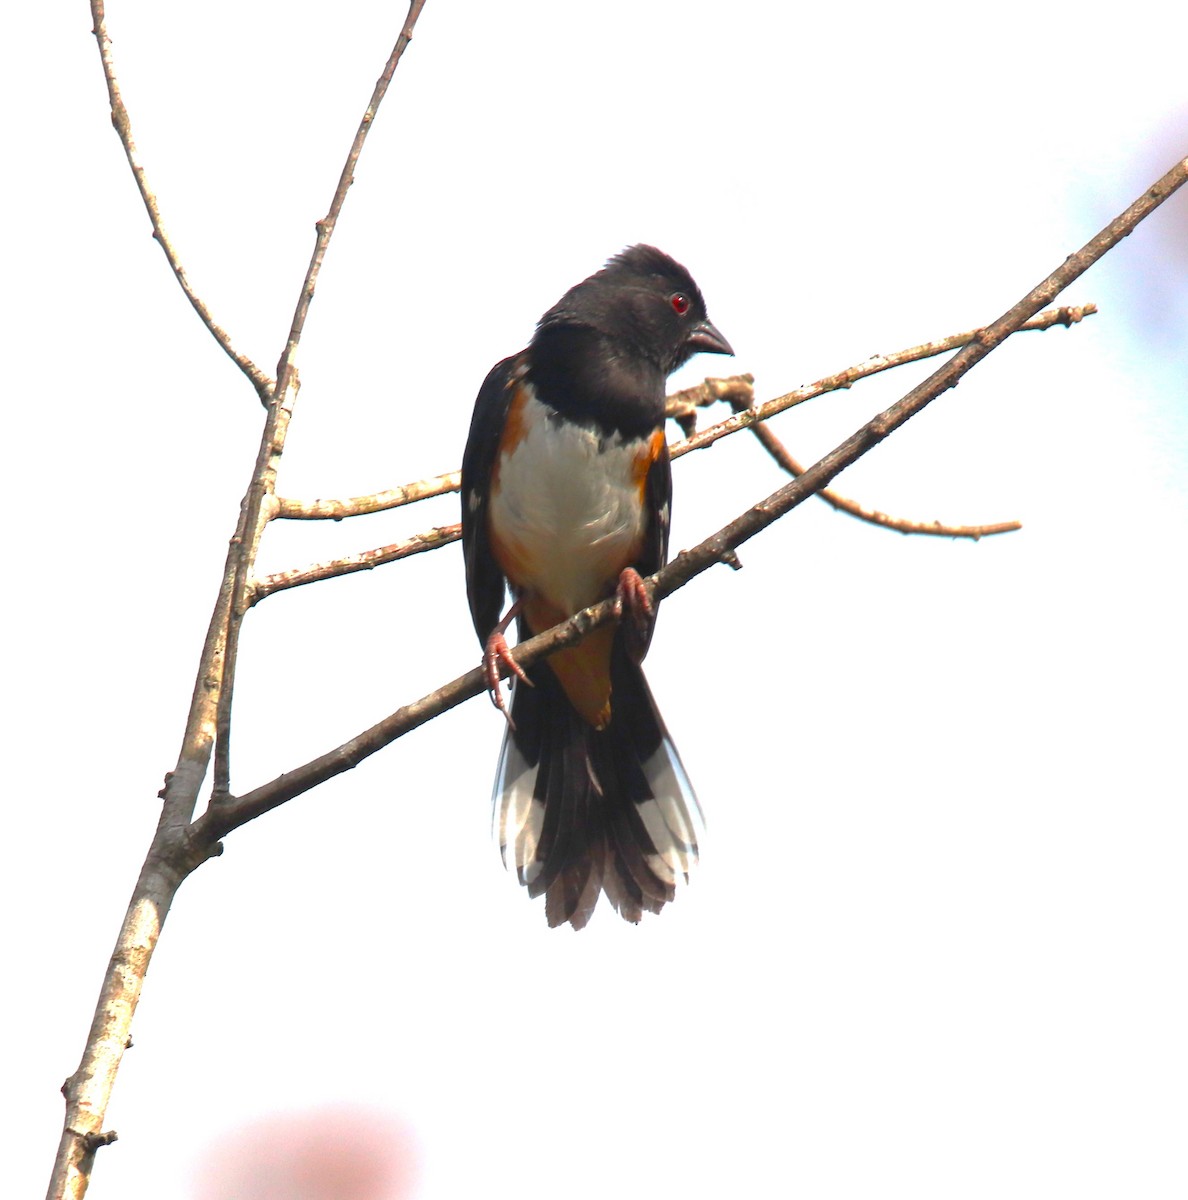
[[679, 302]]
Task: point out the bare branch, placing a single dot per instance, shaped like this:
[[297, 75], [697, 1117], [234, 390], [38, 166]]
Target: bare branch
[[682, 406], [253, 517], [336, 510], [1065, 316], [228, 814], [123, 127], [778, 451], [326, 226], [365, 560], [255, 513]]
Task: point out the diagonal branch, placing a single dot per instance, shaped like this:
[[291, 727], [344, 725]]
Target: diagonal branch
[[780, 453], [365, 560], [123, 127], [229, 814], [326, 226], [1066, 316], [255, 514]]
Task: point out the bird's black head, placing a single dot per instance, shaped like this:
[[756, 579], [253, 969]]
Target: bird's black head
[[644, 302]]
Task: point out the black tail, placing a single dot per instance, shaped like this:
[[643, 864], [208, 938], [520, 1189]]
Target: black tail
[[580, 810]]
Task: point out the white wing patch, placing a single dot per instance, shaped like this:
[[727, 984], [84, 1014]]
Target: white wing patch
[[673, 819], [517, 816]]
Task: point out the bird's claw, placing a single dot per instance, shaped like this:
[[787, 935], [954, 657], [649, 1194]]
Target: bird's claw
[[497, 655], [633, 604]]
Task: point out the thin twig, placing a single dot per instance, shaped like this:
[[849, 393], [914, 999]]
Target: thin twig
[[365, 560], [123, 127], [1065, 315], [358, 506], [682, 406], [229, 814], [780, 453]]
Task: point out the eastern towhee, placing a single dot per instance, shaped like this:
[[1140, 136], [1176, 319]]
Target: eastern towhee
[[566, 487]]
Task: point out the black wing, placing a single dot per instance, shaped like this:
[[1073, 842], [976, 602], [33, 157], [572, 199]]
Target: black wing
[[484, 579], [653, 553], [658, 502]]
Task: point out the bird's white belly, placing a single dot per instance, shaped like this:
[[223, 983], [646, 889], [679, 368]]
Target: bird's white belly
[[567, 509]]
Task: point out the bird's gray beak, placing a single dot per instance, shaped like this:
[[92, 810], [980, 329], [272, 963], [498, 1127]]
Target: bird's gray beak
[[704, 337]]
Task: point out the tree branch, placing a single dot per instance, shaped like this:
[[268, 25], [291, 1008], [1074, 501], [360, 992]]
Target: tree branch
[[228, 814], [1065, 316], [359, 506], [123, 127], [255, 514], [779, 452], [365, 560], [682, 406]]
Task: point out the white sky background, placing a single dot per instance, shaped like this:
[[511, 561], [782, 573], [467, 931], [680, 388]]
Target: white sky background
[[936, 946]]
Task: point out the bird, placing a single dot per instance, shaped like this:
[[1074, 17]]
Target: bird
[[566, 494]]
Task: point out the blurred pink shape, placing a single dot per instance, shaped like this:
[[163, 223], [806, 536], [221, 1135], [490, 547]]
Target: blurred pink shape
[[335, 1153]]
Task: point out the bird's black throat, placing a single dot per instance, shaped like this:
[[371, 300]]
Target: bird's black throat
[[597, 381]]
